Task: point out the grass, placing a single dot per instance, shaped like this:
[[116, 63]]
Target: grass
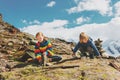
[[27, 73], [94, 70]]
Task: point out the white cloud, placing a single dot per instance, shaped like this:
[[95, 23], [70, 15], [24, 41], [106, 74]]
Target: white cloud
[[36, 22], [24, 21], [102, 6], [55, 23], [51, 4], [51, 29], [76, 1], [31, 22], [117, 9], [55, 29], [81, 20]]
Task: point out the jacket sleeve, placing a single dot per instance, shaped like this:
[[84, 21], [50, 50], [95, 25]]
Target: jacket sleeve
[[94, 48], [37, 50], [49, 48], [76, 47]]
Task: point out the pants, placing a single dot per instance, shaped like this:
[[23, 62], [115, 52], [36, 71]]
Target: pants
[[39, 57], [87, 51]]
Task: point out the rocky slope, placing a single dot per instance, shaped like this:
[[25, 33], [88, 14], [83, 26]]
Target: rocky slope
[[14, 44]]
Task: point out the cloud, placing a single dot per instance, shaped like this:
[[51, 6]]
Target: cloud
[[24, 21], [34, 22], [102, 6], [56, 29], [76, 1], [51, 4], [81, 20], [51, 29], [117, 9]]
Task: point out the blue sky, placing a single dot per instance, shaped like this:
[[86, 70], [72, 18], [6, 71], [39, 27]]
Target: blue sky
[[15, 11], [63, 18]]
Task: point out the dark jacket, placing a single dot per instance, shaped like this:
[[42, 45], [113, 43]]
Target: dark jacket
[[89, 43]]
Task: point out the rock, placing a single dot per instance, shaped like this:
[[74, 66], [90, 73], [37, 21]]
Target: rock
[[0, 17], [8, 66], [61, 46], [32, 42], [98, 44], [10, 52], [116, 65], [2, 69], [28, 54], [10, 44], [105, 55], [83, 73], [1, 77]]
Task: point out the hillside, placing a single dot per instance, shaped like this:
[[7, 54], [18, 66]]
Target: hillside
[[14, 44]]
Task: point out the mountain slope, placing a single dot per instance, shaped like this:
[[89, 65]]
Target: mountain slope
[[14, 44]]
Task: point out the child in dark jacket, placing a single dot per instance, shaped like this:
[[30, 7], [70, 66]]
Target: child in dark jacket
[[44, 47], [86, 44]]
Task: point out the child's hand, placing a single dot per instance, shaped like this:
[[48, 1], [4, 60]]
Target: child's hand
[[44, 53], [73, 55]]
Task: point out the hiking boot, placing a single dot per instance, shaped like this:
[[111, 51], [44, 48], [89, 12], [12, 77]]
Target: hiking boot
[[55, 58], [91, 55], [39, 64]]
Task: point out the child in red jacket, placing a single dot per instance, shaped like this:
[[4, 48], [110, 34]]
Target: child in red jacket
[[44, 47]]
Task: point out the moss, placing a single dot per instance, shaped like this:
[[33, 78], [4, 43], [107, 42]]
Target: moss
[[33, 77], [104, 76], [82, 78], [8, 75], [28, 73], [84, 68]]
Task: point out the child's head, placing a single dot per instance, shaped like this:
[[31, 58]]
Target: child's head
[[83, 37], [40, 37]]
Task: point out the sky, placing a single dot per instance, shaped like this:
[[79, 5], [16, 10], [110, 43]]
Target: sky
[[64, 18]]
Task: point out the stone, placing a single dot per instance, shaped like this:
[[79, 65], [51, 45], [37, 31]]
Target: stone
[[10, 44], [98, 44], [0, 17]]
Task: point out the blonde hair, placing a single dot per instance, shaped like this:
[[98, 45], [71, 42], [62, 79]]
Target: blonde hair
[[83, 37], [41, 34]]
